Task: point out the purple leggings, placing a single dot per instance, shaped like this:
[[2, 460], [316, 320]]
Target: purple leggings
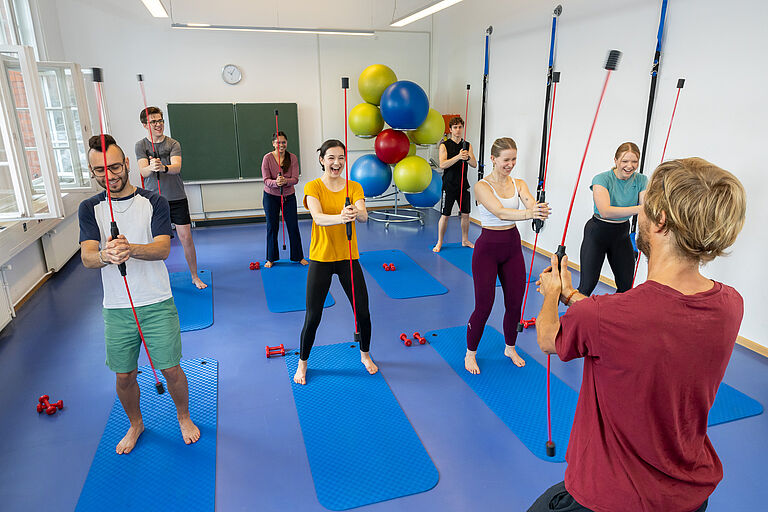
[[497, 253]]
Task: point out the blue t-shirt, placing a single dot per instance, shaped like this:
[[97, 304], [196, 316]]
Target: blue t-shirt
[[622, 192]]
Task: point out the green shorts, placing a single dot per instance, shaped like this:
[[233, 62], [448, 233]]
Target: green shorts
[[160, 325]]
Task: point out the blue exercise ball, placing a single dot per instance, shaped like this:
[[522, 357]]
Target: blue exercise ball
[[430, 195], [374, 175], [404, 105]]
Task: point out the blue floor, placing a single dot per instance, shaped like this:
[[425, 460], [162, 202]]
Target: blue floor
[[55, 347]]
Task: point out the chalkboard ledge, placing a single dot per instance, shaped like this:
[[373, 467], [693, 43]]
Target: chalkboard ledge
[[218, 182]]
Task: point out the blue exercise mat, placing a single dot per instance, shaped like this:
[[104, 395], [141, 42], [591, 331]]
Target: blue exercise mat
[[518, 396], [731, 404], [460, 256], [161, 473], [361, 447], [406, 281], [195, 306], [285, 285]]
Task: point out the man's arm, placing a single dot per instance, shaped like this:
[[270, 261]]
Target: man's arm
[[175, 167], [90, 254], [158, 249], [472, 162], [555, 286]]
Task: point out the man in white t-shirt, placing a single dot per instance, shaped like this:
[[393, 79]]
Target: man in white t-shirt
[[144, 242]]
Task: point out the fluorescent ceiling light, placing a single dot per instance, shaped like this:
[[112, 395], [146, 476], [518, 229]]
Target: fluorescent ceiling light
[[155, 8], [324, 31], [430, 9]]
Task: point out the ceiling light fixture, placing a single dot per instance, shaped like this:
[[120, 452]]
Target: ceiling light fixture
[[431, 8], [155, 8], [322, 31]]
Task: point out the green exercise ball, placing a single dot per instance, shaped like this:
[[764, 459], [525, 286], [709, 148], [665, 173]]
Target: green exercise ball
[[430, 131], [411, 150], [412, 174], [373, 80], [365, 120]]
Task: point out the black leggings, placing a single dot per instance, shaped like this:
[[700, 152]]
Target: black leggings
[[603, 239], [318, 284]]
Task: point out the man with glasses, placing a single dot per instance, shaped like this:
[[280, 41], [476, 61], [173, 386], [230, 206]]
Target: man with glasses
[[144, 221], [162, 174]]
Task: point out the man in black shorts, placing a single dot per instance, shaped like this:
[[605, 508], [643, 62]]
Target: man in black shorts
[[453, 159], [163, 175]]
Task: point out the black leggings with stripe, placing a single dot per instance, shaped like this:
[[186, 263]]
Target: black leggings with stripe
[[318, 283]]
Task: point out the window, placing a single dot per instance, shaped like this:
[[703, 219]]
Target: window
[[63, 92], [17, 26], [27, 143]]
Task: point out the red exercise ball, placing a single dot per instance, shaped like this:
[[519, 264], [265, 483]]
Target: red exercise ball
[[392, 146]]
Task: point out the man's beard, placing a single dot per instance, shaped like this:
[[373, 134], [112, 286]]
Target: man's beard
[[123, 183]]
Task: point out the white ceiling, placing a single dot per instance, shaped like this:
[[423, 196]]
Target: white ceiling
[[346, 14]]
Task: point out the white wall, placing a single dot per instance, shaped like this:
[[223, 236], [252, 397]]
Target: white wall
[[185, 66], [720, 116]]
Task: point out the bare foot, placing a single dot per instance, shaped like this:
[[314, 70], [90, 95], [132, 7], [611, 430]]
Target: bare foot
[[268, 264], [470, 363], [189, 430], [199, 283], [365, 358], [301, 373], [304, 262], [467, 243], [127, 443], [437, 247], [511, 353]]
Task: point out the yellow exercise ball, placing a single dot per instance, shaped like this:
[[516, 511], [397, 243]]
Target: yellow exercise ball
[[411, 150], [412, 174], [373, 80], [365, 120], [430, 131]]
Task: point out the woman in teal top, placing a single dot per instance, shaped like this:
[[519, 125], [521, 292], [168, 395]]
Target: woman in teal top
[[618, 195]]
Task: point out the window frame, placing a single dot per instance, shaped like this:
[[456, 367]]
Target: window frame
[[81, 99], [43, 142]]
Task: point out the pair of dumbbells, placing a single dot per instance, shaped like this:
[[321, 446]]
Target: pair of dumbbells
[[388, 266], [275, 351], [50, 408], [254, 265], [416, 336]]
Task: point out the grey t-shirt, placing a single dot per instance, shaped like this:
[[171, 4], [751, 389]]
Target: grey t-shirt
[[171, 185]]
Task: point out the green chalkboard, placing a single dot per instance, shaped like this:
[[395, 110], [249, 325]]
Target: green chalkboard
[[227, 141], [255, 126], [208, 138]]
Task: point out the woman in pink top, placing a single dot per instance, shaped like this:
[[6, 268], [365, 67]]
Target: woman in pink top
[[280, 170]]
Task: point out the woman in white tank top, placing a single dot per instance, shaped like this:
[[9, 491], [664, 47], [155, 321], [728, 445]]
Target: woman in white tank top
[[498, 252]]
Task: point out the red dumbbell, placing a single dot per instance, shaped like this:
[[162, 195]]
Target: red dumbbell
[[418, 337], [49, 408], [254, 265], [405, 340], [385, 266], [275, 351], [392, 266], [529, 323]]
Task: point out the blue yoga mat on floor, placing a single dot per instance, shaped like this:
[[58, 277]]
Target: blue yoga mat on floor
[[460, 256], [731, 404], [161, 473], [518, 396], [195, 306], [285, 285], [361, 447], [406, 281]]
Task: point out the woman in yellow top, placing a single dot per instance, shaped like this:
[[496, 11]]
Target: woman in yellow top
[[329, 251]]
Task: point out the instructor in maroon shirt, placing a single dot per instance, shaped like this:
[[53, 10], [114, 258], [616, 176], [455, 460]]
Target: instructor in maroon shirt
[[654, 356]]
